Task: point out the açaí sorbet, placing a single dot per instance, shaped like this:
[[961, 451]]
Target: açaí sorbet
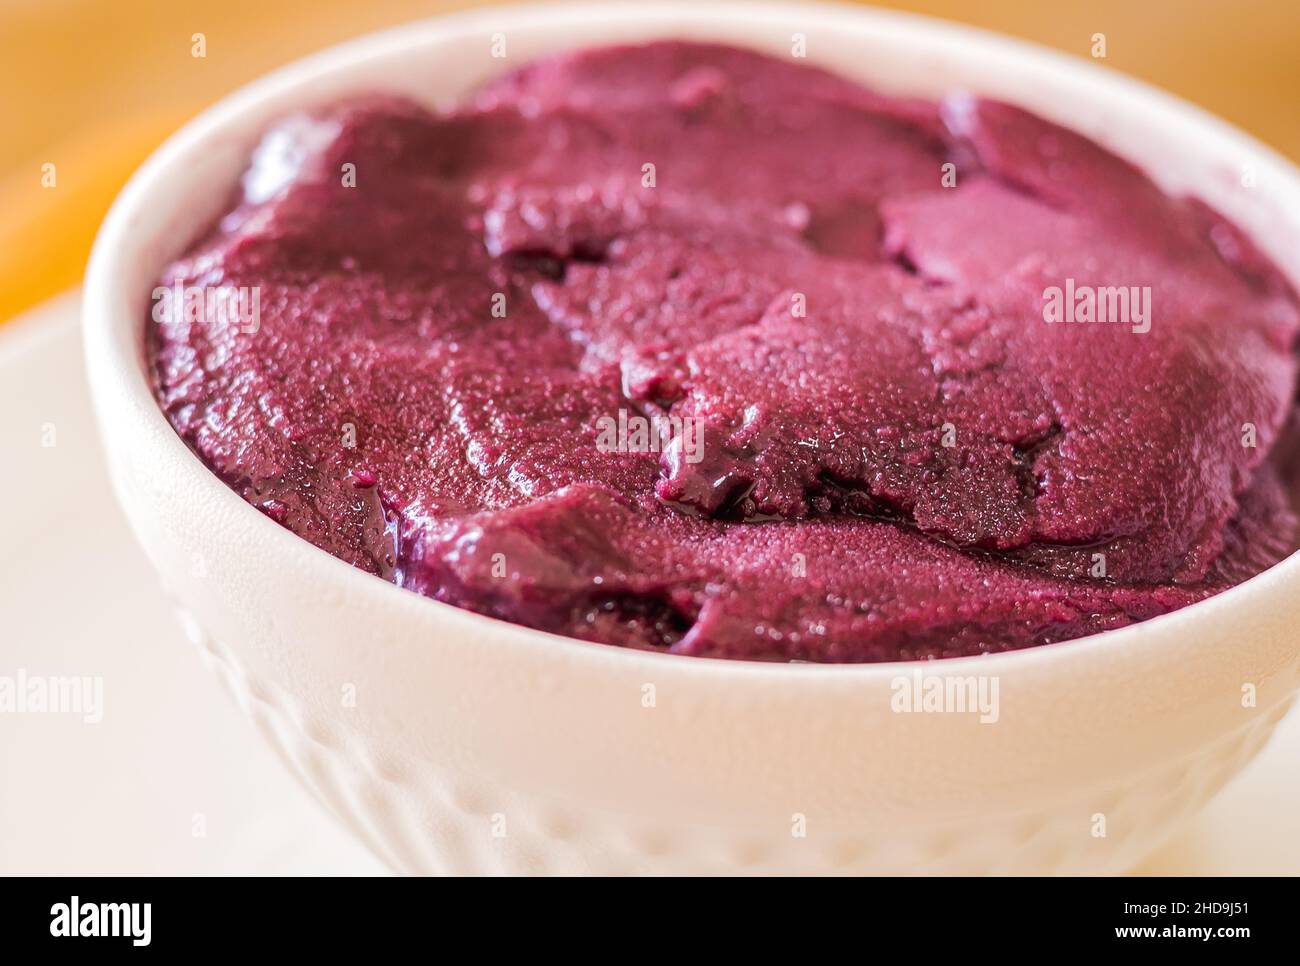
[[683, 347]]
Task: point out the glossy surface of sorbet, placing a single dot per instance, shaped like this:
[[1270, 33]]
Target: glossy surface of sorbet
[[900, 458]]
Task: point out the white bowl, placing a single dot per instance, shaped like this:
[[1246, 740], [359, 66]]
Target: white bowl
[[457, 743]]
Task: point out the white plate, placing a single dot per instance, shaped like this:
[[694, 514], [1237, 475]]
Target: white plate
[[173, 756]]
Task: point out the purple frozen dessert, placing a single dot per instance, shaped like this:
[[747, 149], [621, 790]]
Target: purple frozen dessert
[[687, 348]]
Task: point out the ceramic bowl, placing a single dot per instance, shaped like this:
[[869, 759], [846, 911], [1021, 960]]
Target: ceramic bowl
[[452, 742]]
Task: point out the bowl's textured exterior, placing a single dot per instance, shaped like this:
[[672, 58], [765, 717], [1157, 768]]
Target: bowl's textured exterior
[[425, 819], [454, 743]]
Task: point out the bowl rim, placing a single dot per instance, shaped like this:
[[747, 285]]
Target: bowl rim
[[114, 354]]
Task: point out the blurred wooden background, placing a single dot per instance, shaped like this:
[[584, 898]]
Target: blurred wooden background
[[93, 85]]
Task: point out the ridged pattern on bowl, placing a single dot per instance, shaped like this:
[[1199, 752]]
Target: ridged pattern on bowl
[[421, 818]]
